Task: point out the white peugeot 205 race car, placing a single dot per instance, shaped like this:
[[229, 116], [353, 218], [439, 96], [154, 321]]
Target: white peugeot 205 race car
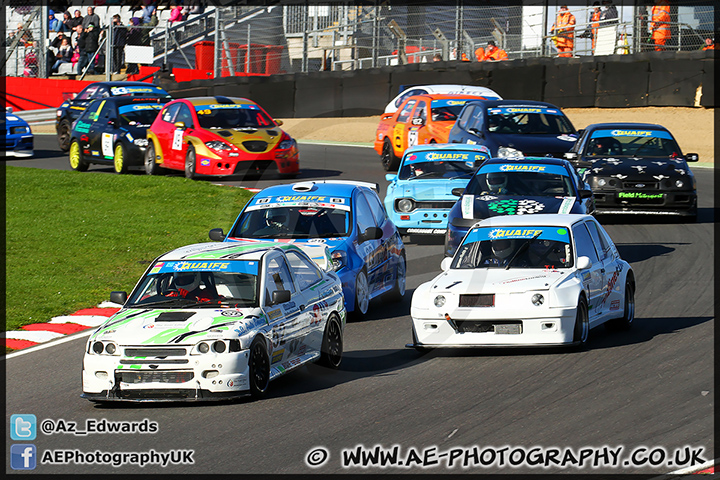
[[217, 320], [530, 280]]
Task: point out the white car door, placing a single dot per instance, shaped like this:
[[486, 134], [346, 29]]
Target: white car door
[[610, 300], [584, 247]]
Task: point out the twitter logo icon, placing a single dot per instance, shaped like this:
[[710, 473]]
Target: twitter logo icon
[[23, 427]]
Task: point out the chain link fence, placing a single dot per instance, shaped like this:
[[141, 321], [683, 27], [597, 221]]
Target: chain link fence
[[288, 38]]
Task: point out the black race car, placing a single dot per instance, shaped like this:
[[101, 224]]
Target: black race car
[[112, 131], [70, 110], [636, 168], [515, 128]]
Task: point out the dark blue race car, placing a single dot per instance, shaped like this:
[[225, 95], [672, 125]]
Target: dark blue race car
[[636, 168], [71, 110], [517, 187], [515, 128], [111, 131], [19, 140], [347, 217]]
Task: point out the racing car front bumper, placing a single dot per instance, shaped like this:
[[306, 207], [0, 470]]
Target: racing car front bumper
[[646, 202], [285, 161], [19, 145]]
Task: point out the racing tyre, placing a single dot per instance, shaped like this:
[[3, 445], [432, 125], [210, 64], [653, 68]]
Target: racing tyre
[[388, 158], [581, 332], [119, 159], [332, 344], [151, 166], [77, 161], [398, 291], [625, 322], [190, 163], [362, 295], [259, 364], [63, 131]]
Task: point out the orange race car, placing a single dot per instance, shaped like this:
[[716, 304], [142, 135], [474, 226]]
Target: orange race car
[[420, 119]]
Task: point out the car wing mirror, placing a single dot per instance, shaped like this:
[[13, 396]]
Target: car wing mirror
[[180, 125], [692, 157], [584, 263], [570, 156], [390, 177], [8, 110], [217, 235], [586, 193], [458, 192], [280, 296], [371, 233], [445, 264], [279, 123], [118, 297]]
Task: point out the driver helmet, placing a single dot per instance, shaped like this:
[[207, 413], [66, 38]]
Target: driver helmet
[[496, 181], [502, 248], [187, 280], [538, 248], [276, 217], [493, 122]]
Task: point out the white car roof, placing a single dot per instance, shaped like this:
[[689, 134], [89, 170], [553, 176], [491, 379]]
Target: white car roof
[[448, 88], [540, 219]]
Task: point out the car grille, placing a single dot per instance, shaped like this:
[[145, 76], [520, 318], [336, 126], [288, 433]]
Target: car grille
[[156, 377], [642, 185], [486, 326], [477, 300], [255, 146], [446, 205], [155, 352]]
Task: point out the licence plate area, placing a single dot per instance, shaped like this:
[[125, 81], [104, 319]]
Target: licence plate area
[[161, 376], [642, 198], [477, 300], [500, 327]]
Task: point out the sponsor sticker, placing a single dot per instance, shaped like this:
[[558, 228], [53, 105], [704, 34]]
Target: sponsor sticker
[[467, 206]]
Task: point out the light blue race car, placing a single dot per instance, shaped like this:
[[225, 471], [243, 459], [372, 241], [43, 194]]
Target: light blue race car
[[365, 246], [19, 140], [420, 196]]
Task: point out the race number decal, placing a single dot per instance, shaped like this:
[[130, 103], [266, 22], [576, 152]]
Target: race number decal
[[177, 139], [107, 146], [412, 137], [467, 206]]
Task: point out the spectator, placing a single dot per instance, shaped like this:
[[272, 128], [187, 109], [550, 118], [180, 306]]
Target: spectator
[[30, 61], [563, 31], [148, 12], [119, 41], [67, 22], [10, 38], [92, 42], [595, 16], [492, 52], [195, 7], [76, 20], [709, 44], [54, 25], [75, 36], [64, 55], [480, 54], [57, 41], [175, 14], [134, 37], [609, 14], [91, 18], [437, 58], [26, 36], [660, 25]]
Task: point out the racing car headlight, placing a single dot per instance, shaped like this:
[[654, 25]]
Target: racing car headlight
[[439, 301], [218, 146], [601, 182], [98, 347], [509, 152], [679, 183], [405, 205], [203, 347], [141, 142], [286, 144], [339, 259], [108, 348], [538, 299], [58, 113], [19, 130]]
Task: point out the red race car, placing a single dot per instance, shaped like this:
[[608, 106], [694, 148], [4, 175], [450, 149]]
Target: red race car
[[218, 136]]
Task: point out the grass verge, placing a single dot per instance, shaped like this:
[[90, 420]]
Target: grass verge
[[72, 238]]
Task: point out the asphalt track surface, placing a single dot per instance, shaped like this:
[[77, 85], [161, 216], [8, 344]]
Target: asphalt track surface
[[649, 387]]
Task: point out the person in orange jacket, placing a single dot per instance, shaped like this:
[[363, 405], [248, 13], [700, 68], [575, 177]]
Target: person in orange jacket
[[492, 52], [595, 23], [709, 44], [480, 54], [564, 30], [660, 24]]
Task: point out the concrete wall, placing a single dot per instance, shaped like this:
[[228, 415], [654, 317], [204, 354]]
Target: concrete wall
[[617, 81]]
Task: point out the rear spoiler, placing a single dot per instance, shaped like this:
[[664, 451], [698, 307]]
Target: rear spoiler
[[319, 253], [372, 186]]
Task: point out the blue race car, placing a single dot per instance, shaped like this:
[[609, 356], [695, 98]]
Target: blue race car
[[348, 217], [515, 128], [19, 139], [504, 186], [419, 197]]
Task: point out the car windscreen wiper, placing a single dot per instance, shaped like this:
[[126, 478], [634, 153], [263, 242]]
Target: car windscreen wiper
[[522, 248]]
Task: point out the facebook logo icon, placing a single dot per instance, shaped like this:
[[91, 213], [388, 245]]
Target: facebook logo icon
[[23, 457], [23, 427]]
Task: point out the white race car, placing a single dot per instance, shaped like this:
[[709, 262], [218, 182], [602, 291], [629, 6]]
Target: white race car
[[525, 280], [442, 88], [217, 320]]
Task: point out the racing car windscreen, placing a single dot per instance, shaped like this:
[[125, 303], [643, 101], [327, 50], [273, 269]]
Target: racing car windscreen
[[303, 221], [632, 143], [423, 165], [196, 283], [515, 247], [527, 120], [525, 180], [136, 115], [236, 116]]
